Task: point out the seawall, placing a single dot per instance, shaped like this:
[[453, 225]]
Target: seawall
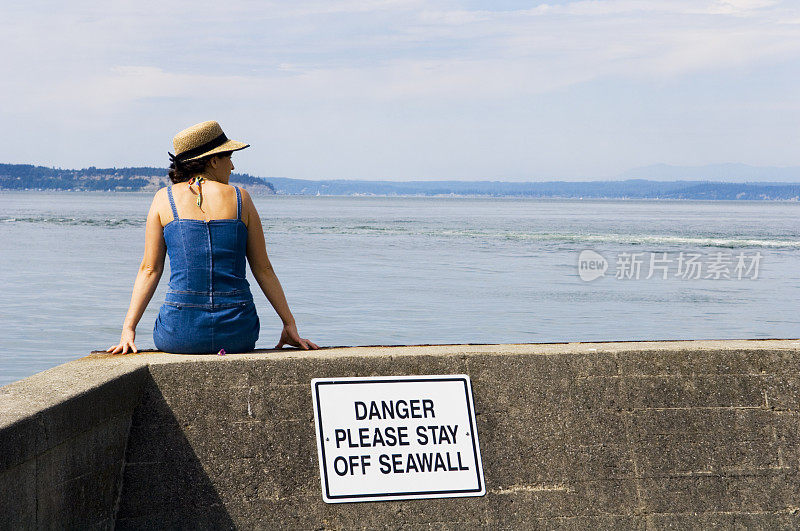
[[635, 435]]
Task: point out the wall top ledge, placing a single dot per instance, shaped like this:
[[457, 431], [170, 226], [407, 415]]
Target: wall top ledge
[[100, 385], [152, 357], [54, 386]]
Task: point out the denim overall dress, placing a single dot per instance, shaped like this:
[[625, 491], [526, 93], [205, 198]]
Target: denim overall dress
[[208, 306]]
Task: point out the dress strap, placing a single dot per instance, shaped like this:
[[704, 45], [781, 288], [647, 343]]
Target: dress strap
[[238, 203], [172, 202]]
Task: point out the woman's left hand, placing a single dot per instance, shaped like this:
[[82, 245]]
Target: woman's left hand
[[290, 336]]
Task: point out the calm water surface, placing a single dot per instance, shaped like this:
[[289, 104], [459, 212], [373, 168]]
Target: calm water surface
[[368, 270]]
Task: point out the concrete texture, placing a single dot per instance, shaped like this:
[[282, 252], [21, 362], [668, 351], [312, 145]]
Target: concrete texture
[[642, 435], [62, 443]]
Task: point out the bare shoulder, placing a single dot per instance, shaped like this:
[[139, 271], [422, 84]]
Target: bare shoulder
[[248, 208], [245, 194], [247, 200], [160, 206]]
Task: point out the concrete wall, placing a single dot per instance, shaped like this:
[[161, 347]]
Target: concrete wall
[[634, 435], [62, 444]]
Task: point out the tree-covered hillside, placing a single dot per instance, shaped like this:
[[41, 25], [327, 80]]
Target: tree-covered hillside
[[29, 177], [628, 189]]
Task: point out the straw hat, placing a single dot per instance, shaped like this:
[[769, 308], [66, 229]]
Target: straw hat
[[200, 140]]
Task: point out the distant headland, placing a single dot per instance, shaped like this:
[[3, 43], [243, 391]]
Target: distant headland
[[140, 179]]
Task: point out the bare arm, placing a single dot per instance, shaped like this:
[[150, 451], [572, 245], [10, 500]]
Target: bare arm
[[150, 271], [266, 277], [260, 264]]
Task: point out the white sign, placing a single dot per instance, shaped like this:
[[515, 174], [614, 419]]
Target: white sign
[[396, 438]]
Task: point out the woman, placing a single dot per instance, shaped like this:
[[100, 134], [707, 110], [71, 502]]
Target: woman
[[208, 228]]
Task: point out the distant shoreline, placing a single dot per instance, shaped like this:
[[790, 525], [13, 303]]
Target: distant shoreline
[[421, 196], [27, 177]]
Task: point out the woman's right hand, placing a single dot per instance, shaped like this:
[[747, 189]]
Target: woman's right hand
[[125, 343]]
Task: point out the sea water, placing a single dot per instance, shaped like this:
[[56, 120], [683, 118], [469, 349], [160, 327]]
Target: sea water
[[419, 270]]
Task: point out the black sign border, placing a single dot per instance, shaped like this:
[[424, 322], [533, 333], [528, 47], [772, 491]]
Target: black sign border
[[378, 496]]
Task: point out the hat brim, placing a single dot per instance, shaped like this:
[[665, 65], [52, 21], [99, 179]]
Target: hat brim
[[230, 145]]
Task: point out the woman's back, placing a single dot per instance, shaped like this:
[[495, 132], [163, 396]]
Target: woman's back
[[207, 257], [219, 202], [208, 305]]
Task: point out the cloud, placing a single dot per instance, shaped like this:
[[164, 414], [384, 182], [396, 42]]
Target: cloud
[[447, 53], [83, 65], [741, 7], [397, 48]]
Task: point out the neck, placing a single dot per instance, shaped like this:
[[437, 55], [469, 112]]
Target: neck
[[210, 177], [206, 176]]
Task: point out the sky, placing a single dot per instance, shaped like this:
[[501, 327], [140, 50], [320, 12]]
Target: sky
[[406, 89]]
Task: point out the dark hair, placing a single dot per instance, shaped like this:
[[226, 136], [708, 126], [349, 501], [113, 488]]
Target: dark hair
[[180, 172]]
